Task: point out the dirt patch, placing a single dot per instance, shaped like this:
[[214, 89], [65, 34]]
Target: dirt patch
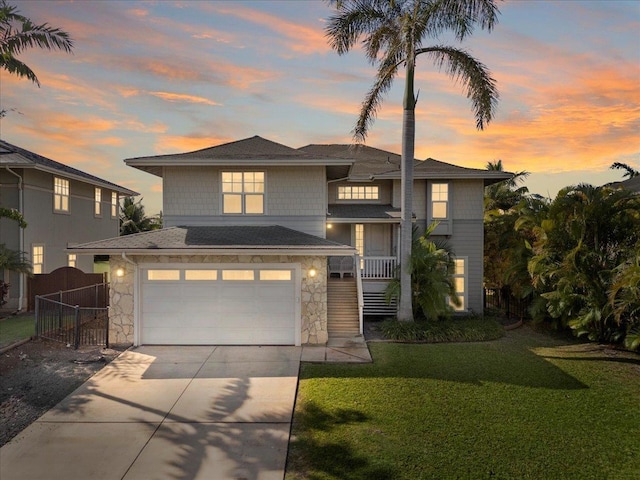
[[37, 375]]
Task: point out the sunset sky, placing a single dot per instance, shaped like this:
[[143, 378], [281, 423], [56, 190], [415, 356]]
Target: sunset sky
[[157, 77]]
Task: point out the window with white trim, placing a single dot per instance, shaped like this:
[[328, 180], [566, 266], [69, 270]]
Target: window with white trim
[[460, 282], [97, 202], [243, 193], [37, 258], [114, 204], [440, 200], [358, 192], [71, 260], [359, 242], [60, 195]]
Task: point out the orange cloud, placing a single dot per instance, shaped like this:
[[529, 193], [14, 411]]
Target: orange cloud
[[300, 38], [166, 144], [181, 97]]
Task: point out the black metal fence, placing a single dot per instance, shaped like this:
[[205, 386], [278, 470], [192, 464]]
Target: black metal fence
[[75, 317], [505, 301]]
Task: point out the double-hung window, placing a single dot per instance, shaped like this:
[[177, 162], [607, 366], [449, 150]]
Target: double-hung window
[[460, 282], [440, 201], [97, 202], [37, 258], [243, 193], [60, 194], [114, 204], [71, 260]]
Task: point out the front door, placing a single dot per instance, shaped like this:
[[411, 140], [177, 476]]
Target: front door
[[377, 240]]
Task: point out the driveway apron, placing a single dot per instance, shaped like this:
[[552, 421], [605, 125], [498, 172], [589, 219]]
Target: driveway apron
[[167, 413]]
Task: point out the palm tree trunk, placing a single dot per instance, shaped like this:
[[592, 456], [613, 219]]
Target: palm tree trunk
[[405, 307]]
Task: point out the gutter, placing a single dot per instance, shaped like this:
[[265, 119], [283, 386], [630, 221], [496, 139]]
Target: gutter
[[21, 210]]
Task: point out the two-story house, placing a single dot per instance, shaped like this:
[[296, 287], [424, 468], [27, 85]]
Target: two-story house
[[62, 206], [252, 229]]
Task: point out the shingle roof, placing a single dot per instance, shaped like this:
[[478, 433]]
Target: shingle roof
[[273, 237], [338, 211], [249, 151], [632, 184], [13, 156], [375, 163]]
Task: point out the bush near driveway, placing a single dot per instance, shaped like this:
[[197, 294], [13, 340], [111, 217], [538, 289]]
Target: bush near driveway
[[527, 406]]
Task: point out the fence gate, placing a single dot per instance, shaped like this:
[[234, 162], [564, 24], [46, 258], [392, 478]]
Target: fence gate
[[75, 317]]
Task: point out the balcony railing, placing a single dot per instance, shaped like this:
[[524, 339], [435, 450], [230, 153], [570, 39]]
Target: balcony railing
[[370, 267], [379, 267]]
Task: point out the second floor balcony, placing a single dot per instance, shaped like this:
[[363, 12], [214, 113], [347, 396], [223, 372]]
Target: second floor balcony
[[372, 268]]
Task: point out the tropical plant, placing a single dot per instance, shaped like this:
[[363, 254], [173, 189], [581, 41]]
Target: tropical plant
[[393, 33], [18, 33], [134, 220], [431, 266], [584, 252], [629, 170], [13, 214], [11, 261]]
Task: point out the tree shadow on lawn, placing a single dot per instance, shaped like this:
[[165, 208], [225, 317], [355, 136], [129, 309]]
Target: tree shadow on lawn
[[500, 361], [337, 460]]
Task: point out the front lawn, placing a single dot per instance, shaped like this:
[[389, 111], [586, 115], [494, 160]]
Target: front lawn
[[527, 406], [16, 328]]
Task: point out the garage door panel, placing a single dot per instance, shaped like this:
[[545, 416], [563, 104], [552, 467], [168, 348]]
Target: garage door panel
[[218, 312]]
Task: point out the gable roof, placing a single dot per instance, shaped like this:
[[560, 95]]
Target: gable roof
[[223, 240], [373, 163], [15, 157], [253, 151]]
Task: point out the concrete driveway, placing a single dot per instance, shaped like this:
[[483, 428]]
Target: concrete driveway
[[167, 413]]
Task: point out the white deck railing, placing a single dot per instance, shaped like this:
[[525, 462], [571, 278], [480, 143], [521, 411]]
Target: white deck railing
[[379, 267]]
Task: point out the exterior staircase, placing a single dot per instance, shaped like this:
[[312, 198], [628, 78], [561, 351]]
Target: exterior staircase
[[342, 308]]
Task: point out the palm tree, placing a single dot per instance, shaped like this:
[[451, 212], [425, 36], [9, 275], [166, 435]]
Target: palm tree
[[393, 32], [17, 33], [629, 170], [134, 220]]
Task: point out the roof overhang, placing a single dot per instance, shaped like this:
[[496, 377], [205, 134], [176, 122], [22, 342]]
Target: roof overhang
[[237, 250], [155, 165]]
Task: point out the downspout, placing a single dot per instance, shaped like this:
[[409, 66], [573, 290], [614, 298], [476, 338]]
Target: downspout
[[21, 210]]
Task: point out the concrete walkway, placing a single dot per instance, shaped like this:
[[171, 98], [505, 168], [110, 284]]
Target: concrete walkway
[[173, 413]]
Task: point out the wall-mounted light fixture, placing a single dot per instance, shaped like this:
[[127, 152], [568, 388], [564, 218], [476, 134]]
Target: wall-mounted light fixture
[[312, 272], [329, 226], [120, 272]]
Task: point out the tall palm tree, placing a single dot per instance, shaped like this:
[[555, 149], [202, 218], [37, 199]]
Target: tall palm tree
[[393, 32], [18, 33], [133, 218]]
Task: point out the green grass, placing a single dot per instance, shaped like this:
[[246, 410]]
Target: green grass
[[527, 406], [454, 329], [14, 329]]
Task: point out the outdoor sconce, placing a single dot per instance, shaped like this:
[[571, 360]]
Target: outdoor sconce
[[329, 226], [120, 272], [312, 272]]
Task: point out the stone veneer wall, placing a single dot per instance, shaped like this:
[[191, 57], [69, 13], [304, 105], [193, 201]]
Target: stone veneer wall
[[313, 291]]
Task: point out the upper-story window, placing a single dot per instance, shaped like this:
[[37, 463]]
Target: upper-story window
[[358, 192], [72, 260], [440, 200], [98, 202], [243, 193], [60, 195], [114, 204]]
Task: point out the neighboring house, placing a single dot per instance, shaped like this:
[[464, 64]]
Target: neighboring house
[[266, 244], [62, 206], [632, 184]]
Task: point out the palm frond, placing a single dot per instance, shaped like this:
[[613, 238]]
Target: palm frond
[[474, 76]]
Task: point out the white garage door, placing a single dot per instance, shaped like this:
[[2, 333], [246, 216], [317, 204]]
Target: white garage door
[[194, 305]]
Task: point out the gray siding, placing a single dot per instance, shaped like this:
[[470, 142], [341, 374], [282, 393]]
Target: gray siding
[[295, 197], [468, 241]]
